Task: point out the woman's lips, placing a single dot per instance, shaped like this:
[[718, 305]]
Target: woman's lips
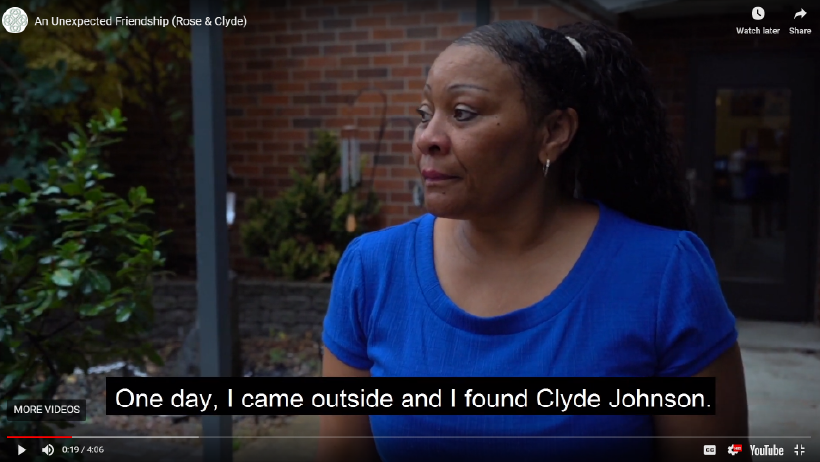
[[433, 175]]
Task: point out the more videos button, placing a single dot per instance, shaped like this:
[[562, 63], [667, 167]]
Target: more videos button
[[50, 410]]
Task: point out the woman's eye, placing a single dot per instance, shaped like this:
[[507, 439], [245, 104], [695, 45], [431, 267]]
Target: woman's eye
[[425, 116], [463, 115]]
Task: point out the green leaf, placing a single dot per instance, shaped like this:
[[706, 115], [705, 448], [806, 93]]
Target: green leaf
[[44, 304], [124, 313], [99, 281], [94, 195], [21, 185], [72, 189], [63, 278]]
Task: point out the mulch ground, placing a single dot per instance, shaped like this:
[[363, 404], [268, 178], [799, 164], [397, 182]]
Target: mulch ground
[[265, 357]]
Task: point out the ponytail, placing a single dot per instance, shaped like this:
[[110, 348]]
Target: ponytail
[[628, 160]]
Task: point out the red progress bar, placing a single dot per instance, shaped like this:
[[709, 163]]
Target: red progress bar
[[38, 437]]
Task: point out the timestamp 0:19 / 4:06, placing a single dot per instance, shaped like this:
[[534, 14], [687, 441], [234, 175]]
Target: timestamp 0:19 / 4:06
[[83, 450]]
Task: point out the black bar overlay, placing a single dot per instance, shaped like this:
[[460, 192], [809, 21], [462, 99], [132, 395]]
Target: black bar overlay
[[409, 395]]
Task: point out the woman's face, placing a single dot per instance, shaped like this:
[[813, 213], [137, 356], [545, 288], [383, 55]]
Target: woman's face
[[475, 146]]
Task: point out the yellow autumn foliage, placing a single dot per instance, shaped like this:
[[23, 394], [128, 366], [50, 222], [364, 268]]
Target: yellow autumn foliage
[[120, 65]]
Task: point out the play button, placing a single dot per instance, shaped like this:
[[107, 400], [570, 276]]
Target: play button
[[20, 449]]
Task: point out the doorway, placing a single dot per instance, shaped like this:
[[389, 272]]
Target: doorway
[[752, 164]]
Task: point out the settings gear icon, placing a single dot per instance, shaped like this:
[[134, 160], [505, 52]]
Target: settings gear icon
[[733, 450]]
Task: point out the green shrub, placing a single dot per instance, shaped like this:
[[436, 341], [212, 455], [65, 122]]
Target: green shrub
[[75, 274], [301, 234]]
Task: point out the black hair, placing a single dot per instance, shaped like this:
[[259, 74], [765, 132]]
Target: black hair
[[622, 154]]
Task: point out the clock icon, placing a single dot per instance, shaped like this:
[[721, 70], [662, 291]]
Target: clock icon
[[758, 13]]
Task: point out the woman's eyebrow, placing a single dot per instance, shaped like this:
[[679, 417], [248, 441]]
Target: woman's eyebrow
[[459, 86]]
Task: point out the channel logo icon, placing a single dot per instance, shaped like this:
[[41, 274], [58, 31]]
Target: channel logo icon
[[735, 448], [709, 450], [15, 20]]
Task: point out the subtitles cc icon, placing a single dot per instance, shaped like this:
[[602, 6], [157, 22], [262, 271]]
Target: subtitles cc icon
[[709, 450]]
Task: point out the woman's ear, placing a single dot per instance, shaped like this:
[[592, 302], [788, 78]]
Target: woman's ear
[[560, 128]]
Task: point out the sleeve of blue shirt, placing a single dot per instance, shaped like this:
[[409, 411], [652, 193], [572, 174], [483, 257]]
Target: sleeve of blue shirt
[[344, 333], [694, 324]]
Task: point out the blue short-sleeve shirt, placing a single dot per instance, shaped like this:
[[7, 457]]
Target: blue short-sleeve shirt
[[640, 301]]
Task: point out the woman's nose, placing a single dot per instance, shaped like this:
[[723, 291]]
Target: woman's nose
[[432, 139]]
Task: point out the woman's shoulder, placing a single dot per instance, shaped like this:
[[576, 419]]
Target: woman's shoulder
[[388, 244], [648, 243]]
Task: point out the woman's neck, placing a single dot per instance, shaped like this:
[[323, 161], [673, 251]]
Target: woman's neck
[[515, 230]]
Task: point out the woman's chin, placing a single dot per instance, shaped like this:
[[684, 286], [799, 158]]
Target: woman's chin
[[442, 207]]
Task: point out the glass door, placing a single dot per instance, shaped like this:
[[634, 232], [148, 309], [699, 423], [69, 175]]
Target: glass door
[[752, 158]]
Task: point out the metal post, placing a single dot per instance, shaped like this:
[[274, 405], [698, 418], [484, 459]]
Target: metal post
[[210, 165], [482, 12]]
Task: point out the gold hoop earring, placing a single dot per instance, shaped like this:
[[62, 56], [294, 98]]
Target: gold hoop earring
[[546, 167]]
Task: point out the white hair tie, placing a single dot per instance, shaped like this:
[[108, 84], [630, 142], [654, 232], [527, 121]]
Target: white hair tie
[[578, 47]]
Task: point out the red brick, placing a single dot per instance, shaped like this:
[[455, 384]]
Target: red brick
[[416, 84], [509, 14], [349, 61], [422, 32], [286, 39], [436, 46], [355, 85], [389, 184], [405, 46], [353, 111], [423, 59], [354, 10], [319, 12], [290, 87], [389, 85], [412, 98], [246, 170], [354, 36], [454, 32], [274, 99], [339, 74], [422, 5], [388, 34], [320, 37], [290, 13], [415, 71], [275, 75], [303, 25], [390, 60], [291, 135], [321, 62], [308, 74], [405, 20], [389, 8], [378, 21], [338, 49], [441, 17]]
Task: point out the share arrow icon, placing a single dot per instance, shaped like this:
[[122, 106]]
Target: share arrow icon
[[800, 13], [20, 449]]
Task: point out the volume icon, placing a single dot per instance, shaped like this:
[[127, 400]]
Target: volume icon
[[48, 450]]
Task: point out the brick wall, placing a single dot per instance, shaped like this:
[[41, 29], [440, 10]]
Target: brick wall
[[666, 47], [298, 65]]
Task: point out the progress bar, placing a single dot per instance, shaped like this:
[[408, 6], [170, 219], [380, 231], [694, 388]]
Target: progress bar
[[415, 437]]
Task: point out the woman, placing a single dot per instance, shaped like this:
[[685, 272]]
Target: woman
[[512, 274]]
